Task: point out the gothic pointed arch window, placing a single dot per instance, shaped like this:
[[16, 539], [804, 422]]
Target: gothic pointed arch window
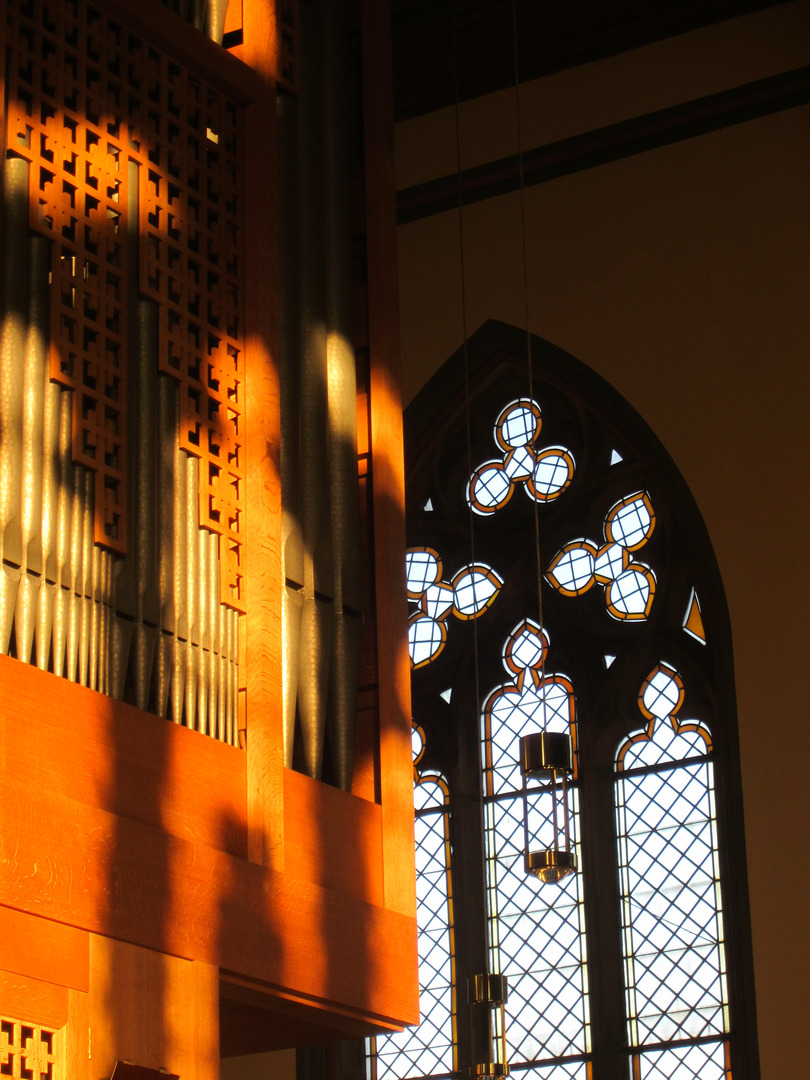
[[561, 578]]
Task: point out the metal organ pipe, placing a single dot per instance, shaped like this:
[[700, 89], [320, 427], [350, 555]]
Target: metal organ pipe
[[12, 346], [321, 608], [34, 379], [316, 616], [342, 398], [292, 547]]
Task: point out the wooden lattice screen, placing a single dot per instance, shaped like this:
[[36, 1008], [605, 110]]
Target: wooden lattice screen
[[27, 1050], [123, 142]]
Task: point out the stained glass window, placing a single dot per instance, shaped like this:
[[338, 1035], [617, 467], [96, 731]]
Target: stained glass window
[[467, 595], [582, 561], [537, 935], [629, 585], [545, 473], [670, 890]]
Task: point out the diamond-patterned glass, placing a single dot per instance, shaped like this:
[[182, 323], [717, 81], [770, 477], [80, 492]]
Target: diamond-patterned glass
[[429, 1048], [629, 586], [545, 474], [673, 932], [536, 931], [704, 1061], [437, 600], [559, 1070]]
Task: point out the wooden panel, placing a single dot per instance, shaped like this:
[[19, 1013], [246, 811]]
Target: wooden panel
[[263, 526], [84, 866], [33, 1001], [153, 1010], [197, 51], [132, 763], [365, 774], [261, 51], [77, 1040], [43, 949], [205, 1048], [332, 838]]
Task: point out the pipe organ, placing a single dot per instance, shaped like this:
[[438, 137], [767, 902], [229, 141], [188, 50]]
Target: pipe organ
[[201, 534], [122, 362], [123, 353]]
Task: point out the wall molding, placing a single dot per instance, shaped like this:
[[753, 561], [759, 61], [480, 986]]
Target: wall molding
[[602, 145]]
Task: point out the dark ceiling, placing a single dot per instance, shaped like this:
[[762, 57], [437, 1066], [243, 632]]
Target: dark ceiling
[[551, 35]]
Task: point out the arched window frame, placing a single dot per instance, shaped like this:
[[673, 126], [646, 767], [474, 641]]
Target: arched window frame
[[457, 407]]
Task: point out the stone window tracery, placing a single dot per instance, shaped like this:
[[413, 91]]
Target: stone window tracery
[[583, 997]]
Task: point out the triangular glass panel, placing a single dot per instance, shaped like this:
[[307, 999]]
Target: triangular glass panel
[[615, 457], [446, 695], [693, 620], [609, 659], [428, 505]]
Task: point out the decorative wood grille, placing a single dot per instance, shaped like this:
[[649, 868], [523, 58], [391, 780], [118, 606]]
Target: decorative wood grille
[[27, 1051], [122, 139]]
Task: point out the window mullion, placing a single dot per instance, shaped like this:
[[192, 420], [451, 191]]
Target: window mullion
[[600, 885]]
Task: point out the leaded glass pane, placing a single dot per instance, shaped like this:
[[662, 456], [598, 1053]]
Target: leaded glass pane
[[561, 1070], [519, 464], [538, 943], [661, 694], [426, 639], [673, 935], [519, 424], [474, 589], [704, 1061], [536, 931], [437, 600], [429, 1048], [552, 474], [630, 596], [545, 473], [422, 568], [572, 569], [610, 561], [489, 488], [631, 522]]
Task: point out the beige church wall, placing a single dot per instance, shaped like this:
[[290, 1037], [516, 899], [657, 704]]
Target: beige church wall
[[582, 99], [682, 276]]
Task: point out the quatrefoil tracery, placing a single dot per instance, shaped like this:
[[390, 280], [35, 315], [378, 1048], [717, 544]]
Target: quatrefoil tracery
[[545, 474], [467, 595], [629, 584]]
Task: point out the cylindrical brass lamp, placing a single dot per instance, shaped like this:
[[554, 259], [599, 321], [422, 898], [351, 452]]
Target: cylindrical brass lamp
[[486, 996], [547, 756]]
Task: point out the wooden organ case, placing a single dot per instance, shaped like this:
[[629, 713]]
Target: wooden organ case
[[206, 818]]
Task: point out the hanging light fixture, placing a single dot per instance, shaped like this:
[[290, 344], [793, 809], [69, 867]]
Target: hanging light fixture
[[486, 996], [546, 764]]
